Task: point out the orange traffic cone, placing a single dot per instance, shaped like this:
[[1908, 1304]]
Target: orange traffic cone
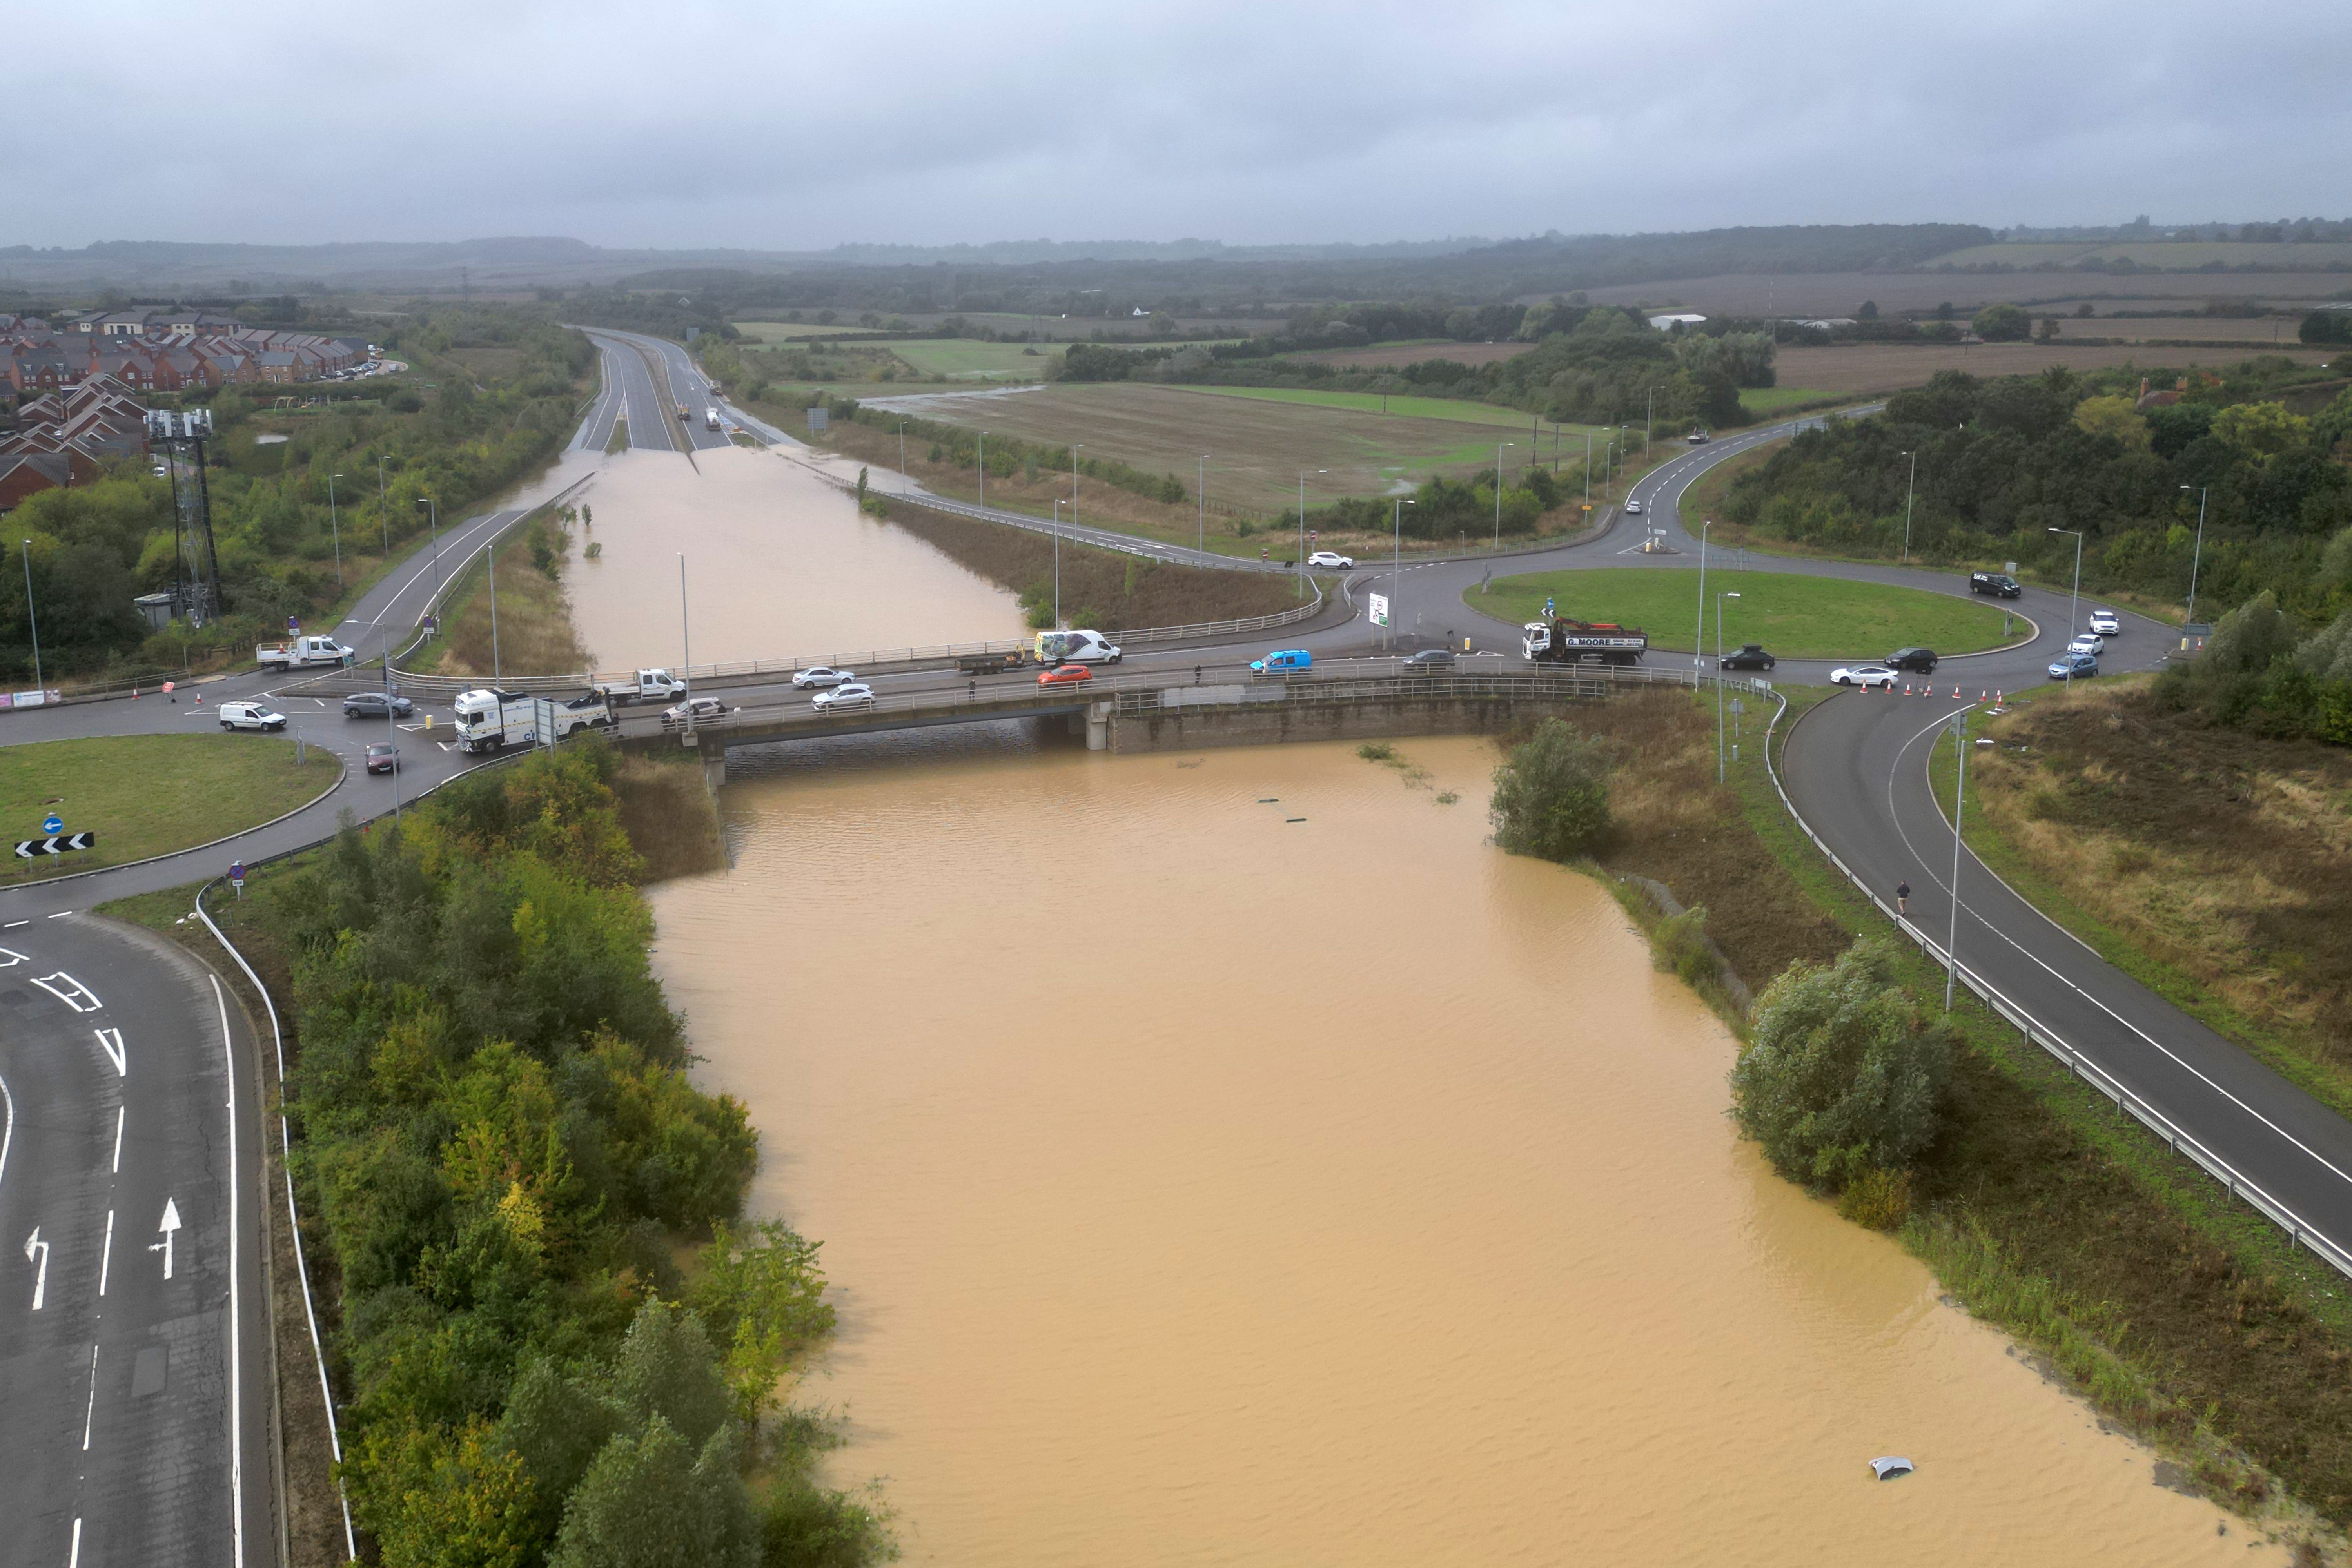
[[1906, 688], [1956, 694]]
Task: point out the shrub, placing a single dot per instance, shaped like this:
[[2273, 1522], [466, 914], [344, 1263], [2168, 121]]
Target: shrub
[[1845, 1074], [1682, 947], [1879, 1199], [1551, 795]]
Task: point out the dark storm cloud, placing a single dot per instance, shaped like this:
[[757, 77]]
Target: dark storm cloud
[[799, 125]]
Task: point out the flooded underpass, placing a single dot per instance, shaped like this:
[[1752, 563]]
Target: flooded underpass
[[1234, 1158]]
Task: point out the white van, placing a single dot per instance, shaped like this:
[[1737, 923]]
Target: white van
[[249, 716], [1075, 647]]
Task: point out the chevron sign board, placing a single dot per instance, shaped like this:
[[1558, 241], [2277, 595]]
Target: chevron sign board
[[29, 848]]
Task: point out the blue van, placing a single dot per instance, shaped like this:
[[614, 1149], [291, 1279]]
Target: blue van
[[1284, 661]]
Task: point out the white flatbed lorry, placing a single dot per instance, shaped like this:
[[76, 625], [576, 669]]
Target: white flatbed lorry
[[303, 653], [646, 686]]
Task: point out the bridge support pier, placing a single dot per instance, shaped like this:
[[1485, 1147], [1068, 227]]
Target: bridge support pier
[[714, 766], [1097, 719]]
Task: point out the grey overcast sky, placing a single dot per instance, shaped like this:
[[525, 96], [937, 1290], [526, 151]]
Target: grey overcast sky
[[707, 123]]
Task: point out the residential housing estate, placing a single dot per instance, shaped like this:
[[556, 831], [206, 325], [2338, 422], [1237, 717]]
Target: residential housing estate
[[61, 437], [166, 351]]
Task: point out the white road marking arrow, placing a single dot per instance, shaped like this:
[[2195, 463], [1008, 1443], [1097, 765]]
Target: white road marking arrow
[[110, 1042], [33, 1244], [170, 1224]]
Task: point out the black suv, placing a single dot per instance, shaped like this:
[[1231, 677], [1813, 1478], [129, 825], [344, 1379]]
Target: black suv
[[1922, 659], [2000, 584], [1748, 656], [376, 705]]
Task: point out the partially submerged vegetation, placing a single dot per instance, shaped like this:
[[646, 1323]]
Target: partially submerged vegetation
[[526, 629], [554, 1340], [1102, 588], [2172, 1309]]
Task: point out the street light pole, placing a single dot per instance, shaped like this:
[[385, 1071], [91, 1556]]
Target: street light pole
[[686, 643], [1396, 573], [1698, 636], [1201, 494], [902, 459], [1302, 528], [433, 514], [1959, 727], [1498, 490], [383, 509], [983, 468], [336, 525], [1588, 465], [1058, 552], [498, 670], [1650, 417], [2197, 559], [1910, 491], [1718, 680], [38, 684], [2075, 604]]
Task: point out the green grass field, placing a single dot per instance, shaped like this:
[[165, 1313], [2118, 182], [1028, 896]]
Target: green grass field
[[792, 331], [1767, 401], [1793, 616], [149, 794], [962, 359], [1458, 410]]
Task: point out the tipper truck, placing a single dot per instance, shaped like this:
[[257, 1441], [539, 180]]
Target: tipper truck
[[1563, 641], [303, 653]]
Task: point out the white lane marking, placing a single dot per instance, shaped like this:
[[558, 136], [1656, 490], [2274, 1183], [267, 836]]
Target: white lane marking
[[58, 916], [7, 1125], [118, 1112], [33, 1244], [114, 1050], [235, 1322], [90, 1412], [74, 994], [106, 1255], [73, 1558], [13, 959], [170, 1227], [2170, 1054]]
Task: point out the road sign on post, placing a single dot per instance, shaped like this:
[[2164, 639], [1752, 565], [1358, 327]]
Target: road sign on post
[[236, 877], [1378, 607], [53, 823]]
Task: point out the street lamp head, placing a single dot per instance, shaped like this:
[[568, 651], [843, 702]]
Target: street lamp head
[[1731, 594]]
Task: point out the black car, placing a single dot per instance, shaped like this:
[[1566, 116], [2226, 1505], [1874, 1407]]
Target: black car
[[377, 705], [2000, 584], [1921, 659], [1429, 661], [1749, 656]]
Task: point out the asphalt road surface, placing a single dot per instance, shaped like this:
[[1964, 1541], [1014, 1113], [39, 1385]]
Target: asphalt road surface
[[134, 1357]]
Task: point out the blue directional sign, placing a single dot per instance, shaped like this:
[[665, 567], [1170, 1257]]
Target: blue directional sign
[[53, 823]]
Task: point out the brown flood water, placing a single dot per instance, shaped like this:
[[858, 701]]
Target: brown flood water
[[777, 564], [1201, 1187]]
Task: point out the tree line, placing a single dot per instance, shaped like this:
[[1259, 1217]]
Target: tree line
[[2002, 462], [556, 1341]]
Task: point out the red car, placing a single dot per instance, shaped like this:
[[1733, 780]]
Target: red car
[[1065, 675]]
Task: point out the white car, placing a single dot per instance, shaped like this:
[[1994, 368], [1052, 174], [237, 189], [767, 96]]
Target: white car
[[1865, 675], [822, 674], [850, 694], [1332, 558], [249, 716], [1633, 509], [2087, 642], [693, 710], [2104, 622]]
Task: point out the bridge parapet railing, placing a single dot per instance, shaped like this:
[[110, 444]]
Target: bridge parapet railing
[[2128, 1100]]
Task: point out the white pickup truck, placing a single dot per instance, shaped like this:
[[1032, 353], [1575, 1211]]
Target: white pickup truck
[[303, 653], [646, 686]]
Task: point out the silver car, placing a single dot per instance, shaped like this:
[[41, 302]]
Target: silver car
[[822, 676], [854, 694]]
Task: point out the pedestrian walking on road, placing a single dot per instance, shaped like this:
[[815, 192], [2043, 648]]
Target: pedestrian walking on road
[[1902, 897]]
